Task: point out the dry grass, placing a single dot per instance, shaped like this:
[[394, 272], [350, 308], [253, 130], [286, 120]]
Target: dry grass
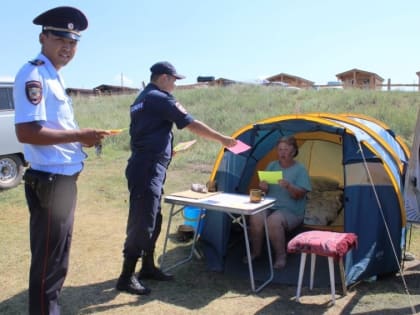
[[96, 261]]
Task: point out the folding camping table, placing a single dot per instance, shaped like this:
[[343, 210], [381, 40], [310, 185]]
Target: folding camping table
[[231, 204]]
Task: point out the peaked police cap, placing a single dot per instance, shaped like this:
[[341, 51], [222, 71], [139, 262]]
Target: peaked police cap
[[63, 21]]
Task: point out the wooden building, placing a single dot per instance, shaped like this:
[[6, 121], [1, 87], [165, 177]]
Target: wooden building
[[291, 80], [80, 92], [214, 82], [106, 89], [360, 79], [192, 86], [222, 82], [103, 89]]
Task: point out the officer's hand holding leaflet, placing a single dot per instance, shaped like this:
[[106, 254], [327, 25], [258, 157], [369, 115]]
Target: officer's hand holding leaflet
[[90, 137], [205, 131]]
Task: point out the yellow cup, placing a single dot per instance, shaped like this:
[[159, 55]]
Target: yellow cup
[[256, 195], [211, 186]]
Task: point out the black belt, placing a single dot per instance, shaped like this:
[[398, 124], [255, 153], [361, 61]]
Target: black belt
[[31, 173]]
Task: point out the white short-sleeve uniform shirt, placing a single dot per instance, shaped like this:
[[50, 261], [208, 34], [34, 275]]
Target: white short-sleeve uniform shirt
[[39, 95]]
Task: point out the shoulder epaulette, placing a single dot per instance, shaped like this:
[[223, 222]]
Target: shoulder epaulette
[[36, 62]]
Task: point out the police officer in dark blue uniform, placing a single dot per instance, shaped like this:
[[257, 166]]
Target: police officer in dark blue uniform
[[153, 114], [44, 122]]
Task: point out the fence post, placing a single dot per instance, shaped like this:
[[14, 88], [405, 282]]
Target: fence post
[[418, 85]]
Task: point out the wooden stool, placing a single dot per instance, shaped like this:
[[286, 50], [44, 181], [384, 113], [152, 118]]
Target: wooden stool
[[324, 243]]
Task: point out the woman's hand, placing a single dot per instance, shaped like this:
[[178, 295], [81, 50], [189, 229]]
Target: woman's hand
[[263, 185], [294, 191], [284, 183]]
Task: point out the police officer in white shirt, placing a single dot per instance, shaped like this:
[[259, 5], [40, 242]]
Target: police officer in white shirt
[[44, 122]]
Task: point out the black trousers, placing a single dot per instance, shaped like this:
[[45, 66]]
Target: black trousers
[[145, 178], [51, 200]]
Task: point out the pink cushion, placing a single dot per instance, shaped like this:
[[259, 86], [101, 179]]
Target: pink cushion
[[323, 243]]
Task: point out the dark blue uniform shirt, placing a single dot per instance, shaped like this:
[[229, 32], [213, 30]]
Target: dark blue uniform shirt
[[153, 114]]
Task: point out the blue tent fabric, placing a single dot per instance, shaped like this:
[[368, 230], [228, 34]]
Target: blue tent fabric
[[214, 244], [373, 254], [372, 210], [216, 228]]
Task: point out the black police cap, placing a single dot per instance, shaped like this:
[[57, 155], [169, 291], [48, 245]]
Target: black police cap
[[164, 67], [63, 21]]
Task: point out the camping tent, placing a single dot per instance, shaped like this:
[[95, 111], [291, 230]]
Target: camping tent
[[353, 154]]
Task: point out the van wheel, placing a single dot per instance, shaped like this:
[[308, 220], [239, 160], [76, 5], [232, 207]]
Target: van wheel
[[11, 171]]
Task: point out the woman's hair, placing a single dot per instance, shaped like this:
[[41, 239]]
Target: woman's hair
[[290, 140]]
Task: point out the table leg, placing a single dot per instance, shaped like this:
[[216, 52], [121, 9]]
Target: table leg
[[270, 258], [248, 253], [196, 234], [166, 235]]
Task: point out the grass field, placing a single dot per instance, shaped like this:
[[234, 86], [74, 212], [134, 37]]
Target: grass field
[[101, 215]]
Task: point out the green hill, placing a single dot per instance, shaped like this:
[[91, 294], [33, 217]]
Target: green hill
[[228, 109]]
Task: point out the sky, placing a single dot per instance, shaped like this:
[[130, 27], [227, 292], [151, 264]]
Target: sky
[[241, 40]]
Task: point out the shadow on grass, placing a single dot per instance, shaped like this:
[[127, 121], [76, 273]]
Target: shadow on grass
[[194, 288], [387, 295], [193, 293], [102, 296]]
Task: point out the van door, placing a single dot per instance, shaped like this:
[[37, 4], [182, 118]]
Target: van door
[[12, 161], [412, 178]]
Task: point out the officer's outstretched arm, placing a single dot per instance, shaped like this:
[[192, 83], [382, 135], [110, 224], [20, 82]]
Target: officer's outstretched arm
[[202, 130]]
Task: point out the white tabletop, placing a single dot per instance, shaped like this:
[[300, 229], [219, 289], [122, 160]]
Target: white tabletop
[[225, 202]]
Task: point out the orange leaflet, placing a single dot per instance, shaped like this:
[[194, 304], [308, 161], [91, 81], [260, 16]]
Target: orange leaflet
[[115, 131], [183, 145]]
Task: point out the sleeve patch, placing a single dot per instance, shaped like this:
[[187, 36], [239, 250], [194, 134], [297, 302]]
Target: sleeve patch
[[33, 90], [180, 107]]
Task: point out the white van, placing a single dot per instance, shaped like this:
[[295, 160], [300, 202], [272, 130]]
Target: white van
[[12, 161]]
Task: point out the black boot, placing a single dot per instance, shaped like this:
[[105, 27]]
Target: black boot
[[127, 282], [150, 271]]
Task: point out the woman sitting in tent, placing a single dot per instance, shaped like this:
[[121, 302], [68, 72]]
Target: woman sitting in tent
[[289, 209]]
